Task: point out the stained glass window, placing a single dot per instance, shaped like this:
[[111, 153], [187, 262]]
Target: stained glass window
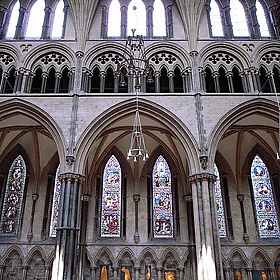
[[219, 203], [13, 199], [162, 199], [55, 204], [111, 199], [264, 202]]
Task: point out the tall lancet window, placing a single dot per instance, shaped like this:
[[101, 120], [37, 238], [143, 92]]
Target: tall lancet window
[[162, 200], [58, 20], [13, 198], [36, 19], [220, 205], [267, 219], [159, 19], [111, 199], [262, 20], [114, 19], [136, 18], [13, 21], [216, 21], [238, 19], [55, 204]]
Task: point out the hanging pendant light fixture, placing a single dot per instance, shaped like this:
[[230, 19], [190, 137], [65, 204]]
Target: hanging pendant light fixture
[[138, 66]]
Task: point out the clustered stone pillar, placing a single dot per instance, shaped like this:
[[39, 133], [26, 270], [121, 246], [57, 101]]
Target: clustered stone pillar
[[208, 260], [64, 266]]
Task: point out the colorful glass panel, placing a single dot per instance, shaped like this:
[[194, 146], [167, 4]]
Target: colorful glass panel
[[55, 204], [220, 205], [264, 202], [13, 199], [162, 199], [111, 199]]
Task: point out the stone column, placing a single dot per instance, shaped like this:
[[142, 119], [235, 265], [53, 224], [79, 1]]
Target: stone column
[[169, 21], [255, 32], [65, 262], [82, 244], [170, 75], [115, 273], [157, 81], [208, 10], [150, 25], [2, 269], [123, 21], [102, 81], [249, 273], [136, 273], [227, 23], [93, 272], [5, 76], [58, 76], [240, 198], [136, 199], [208, 263], [18, 80], [44, 81], [276, 27], [104, 22], [48, 271], [35, 197], [24, 272], [159, 272], [19, 27], [229, 80], [46, 24], [3, 12], [215, 76], [227, 273], [65, 11], [254, 81]]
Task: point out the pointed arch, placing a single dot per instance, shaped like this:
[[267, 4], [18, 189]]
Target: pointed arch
[[109, 80], [216, 20], [114, 19], [58, 20], [136, 18], [111, 199], [159, 23], [13, 20], [262, 20], [266, 214], [37, 81], [238, 18], [36, 19]]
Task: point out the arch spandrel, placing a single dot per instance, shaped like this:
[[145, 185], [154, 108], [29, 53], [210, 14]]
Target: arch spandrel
[[159, 125], [16, 107]]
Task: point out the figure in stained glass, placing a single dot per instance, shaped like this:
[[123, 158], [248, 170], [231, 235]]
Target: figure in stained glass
[[267, 219], [219, 204], [111, 199], [162, 199], [13, 199]]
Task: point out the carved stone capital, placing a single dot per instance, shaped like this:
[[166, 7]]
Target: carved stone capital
[[202, 177]]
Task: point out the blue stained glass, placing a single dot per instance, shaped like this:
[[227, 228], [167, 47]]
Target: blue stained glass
[[12, 204], [55, 204], [220, 207], [162, 199], [264, 202], [111, 199]]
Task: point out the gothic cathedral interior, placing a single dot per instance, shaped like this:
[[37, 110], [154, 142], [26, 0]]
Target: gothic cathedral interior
[[139, 139]]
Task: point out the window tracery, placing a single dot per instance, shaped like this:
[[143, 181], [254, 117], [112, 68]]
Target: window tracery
[[13, 198], [162, 199], [266, 214]]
